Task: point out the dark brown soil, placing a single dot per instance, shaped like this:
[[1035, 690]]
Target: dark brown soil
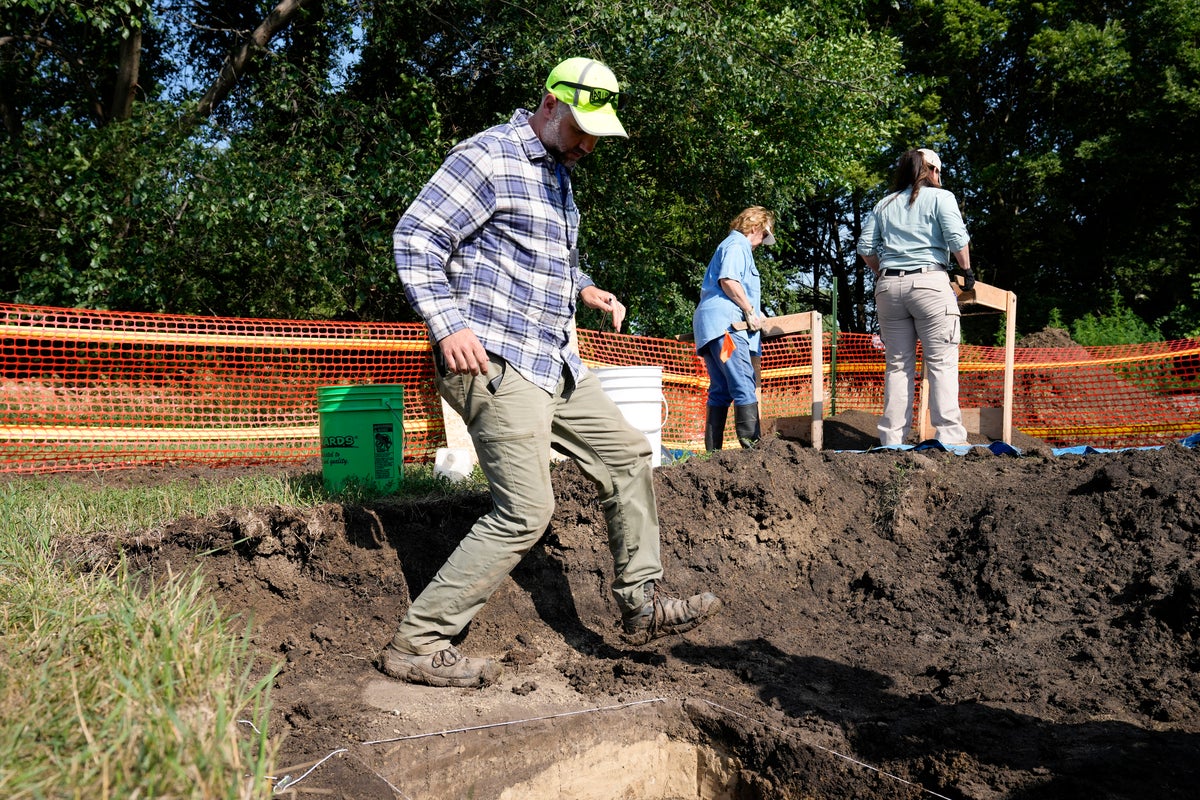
[[896, 624]]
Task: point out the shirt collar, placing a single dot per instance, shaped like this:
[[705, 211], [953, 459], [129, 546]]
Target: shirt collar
[[534, 149]]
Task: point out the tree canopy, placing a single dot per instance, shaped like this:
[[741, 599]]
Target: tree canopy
[[242, 159]]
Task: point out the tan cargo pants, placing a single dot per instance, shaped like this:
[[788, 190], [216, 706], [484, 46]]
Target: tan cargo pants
[[911, 307]]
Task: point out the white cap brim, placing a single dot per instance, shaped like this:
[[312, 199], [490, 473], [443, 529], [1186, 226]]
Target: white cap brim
[[601, 122]]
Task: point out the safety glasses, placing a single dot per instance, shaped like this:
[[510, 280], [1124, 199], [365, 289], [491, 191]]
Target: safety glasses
[[594, 95]]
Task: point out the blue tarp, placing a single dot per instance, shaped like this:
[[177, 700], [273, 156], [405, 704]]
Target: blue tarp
[[996, 448], [1003, 449]]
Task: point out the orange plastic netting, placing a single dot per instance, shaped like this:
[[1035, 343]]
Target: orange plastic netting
[[95, 389]]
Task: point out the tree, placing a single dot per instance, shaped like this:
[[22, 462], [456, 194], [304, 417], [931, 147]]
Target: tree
[[85, 61], [736, 104], [281, 200]]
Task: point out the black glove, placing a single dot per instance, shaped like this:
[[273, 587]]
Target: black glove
[[968, 280]]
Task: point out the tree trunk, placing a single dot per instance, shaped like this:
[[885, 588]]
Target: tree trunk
[[129, 61], [236, 64]]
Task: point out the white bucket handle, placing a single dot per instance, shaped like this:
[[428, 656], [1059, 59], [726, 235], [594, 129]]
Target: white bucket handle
[[666, 413]]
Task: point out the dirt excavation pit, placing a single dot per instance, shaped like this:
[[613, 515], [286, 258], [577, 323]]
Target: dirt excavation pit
[[645, 749], [649, 749], [895, 625]]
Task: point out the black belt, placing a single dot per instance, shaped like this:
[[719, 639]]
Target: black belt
[[896, 273]]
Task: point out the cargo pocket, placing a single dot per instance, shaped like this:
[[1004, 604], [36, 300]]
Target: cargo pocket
[[953, 323]]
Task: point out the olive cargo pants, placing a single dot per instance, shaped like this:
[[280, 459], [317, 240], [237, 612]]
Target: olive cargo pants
[[514, 425]]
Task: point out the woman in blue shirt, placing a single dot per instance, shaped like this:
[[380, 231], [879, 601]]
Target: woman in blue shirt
[[908, 241], [732, 292]]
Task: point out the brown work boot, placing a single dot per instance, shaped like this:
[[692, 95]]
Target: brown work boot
[[662, 615], [444, 668]]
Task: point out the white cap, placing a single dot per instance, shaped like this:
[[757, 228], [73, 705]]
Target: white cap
[[931, 158]]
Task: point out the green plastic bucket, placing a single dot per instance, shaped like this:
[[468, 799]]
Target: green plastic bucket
[[362, 435]]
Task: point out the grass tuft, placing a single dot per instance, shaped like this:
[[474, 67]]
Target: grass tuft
[[116, 686], [113, 689]]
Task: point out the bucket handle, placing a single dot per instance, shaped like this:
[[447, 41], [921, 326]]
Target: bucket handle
[[387, 401], [666, 413]]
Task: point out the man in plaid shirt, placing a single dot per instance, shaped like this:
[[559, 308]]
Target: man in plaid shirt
[[487, 255]]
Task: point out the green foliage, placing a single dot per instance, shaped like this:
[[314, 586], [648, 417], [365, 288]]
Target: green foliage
[[1117, 325], [286, 208], [1071, 130], [1184, 319], [124, 217], [64, 59], [735, 104]]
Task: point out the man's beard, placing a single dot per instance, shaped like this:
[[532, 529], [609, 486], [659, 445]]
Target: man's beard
[[553, 132]]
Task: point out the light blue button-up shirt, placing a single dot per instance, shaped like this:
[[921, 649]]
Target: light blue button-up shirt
[[734, 259], [907, 236]]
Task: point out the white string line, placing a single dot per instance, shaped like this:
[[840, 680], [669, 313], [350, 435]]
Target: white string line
[[517, 721], [792, 735], [286, 781]]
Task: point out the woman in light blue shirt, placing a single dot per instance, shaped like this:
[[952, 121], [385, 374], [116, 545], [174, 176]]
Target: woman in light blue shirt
[[908, 241], [732, 292]]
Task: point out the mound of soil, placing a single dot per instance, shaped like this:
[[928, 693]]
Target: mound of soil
[[896, 624]]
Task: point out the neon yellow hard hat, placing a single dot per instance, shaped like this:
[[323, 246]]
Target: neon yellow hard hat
[[592, 92]]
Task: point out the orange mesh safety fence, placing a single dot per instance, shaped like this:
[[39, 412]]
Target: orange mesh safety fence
[[96, 389], [1120, 396]]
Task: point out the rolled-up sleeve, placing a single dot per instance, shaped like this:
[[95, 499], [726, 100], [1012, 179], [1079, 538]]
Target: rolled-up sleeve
[[869, 241], [453, 205], [954, 230]]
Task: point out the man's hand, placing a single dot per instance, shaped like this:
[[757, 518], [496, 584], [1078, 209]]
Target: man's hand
[[604, 301], [968, 280], [463, 353], [753, 321]]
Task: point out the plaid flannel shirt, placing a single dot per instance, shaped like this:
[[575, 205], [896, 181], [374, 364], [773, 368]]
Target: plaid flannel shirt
[[489, 244]]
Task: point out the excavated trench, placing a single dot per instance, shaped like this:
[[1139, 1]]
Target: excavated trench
[[896, 625], [655, 749], [649, 750]]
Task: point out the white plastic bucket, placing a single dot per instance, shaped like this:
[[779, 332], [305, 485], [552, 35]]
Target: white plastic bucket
[[454, 463], [638, 392]]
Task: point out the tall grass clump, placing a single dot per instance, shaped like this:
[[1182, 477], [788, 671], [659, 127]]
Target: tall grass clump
[[113, 686]]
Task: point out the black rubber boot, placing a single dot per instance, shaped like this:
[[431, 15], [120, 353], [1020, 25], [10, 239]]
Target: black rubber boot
[[714, 427], [745, 422]]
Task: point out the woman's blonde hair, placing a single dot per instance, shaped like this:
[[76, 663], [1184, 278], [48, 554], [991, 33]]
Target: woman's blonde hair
[[754, 218]]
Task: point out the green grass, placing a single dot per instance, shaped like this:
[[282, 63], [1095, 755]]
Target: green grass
[[115, 686], [108, 689]]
